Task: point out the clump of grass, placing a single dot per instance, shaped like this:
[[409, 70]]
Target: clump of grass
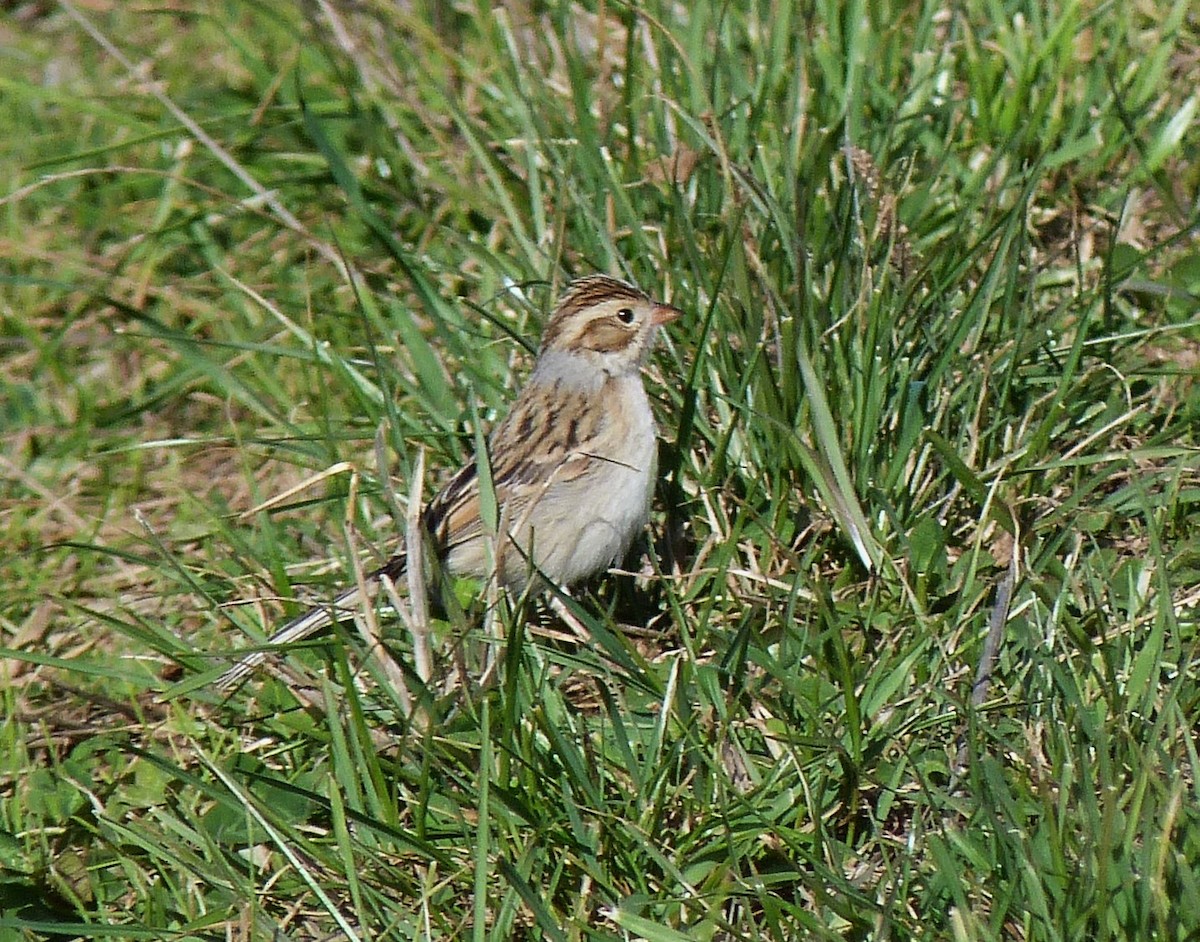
[[911, 653]]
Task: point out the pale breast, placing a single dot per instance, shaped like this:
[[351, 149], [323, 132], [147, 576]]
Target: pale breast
[[608, 507], [574, 472]]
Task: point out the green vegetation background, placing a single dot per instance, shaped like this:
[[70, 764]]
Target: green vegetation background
[[936, 391]]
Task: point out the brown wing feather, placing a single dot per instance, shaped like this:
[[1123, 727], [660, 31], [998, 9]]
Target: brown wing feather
[[536, 441]]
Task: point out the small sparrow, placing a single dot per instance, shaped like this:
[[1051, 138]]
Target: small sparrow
[[573, 465]]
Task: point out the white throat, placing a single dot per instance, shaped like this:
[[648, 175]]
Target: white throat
[[580, 371]]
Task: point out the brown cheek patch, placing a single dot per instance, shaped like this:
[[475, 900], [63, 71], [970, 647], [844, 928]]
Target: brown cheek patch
[[605, 337], [583, 294]]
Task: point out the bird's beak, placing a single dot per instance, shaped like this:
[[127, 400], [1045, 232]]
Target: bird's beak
[[664, 314]]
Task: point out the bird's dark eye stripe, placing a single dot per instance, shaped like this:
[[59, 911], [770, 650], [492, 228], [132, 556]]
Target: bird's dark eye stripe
[[625, 315]]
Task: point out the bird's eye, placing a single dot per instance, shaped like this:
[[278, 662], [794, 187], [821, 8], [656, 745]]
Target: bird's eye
[[625, 315]]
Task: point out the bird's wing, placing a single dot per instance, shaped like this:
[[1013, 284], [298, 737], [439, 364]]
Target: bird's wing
[[546, 440]]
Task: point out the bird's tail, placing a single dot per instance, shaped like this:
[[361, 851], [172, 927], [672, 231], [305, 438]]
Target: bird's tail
[[344, 605]]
